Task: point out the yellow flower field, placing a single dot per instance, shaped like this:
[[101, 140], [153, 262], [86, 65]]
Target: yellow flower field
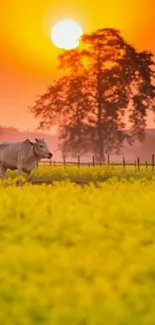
[[72, 255]]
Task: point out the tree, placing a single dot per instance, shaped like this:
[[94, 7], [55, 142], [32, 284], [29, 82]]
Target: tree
[[105, 78]]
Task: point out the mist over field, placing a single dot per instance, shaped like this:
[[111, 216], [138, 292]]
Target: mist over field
[[143, 150]]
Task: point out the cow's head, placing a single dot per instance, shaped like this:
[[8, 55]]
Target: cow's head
[[41, 149]]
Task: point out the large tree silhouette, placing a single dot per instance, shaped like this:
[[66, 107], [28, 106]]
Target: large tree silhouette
[[105, 79]]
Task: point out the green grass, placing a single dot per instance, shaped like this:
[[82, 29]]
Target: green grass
[[88, 174]]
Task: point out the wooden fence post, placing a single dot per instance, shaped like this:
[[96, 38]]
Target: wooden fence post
[[108, 160], [123, 162], [93, 161], [79, 161], [50, 162], [138, 163], [146, 164], [153, 162], [64, 160]]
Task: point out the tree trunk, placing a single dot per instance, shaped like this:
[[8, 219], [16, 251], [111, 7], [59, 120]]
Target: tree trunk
[[99, 114], [100, 136]]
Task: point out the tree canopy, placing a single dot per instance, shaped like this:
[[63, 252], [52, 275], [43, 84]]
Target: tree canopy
[[105, 81]]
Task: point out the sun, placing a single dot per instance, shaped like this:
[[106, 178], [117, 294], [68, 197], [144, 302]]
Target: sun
[[66, 34]]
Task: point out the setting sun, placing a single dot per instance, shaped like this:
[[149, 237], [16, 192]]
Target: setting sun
[[66, 34]]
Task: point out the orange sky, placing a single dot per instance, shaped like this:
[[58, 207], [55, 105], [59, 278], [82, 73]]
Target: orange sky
[[28, 57]]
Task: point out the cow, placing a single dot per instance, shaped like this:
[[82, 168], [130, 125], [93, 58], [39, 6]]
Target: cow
[[22, 156]]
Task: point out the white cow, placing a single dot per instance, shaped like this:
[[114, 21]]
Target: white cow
[[22, 156]]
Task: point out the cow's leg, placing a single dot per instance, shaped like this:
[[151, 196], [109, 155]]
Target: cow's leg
[[2, 171], [29, 177], [19, 172]]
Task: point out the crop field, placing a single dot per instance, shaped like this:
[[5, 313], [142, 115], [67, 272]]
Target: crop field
[[78, 255], [85, 175]]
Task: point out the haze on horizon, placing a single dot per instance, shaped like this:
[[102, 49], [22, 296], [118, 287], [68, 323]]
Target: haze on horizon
[[28, 59]]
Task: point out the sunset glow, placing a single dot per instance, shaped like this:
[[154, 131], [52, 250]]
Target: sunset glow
[[28, 57]]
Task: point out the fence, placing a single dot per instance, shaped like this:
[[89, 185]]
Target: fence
[[136, 163]]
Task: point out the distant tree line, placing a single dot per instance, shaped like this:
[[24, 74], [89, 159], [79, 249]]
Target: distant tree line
[[105, 82]]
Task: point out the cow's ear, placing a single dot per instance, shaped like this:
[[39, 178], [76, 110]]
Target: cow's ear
[[29, 141]]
